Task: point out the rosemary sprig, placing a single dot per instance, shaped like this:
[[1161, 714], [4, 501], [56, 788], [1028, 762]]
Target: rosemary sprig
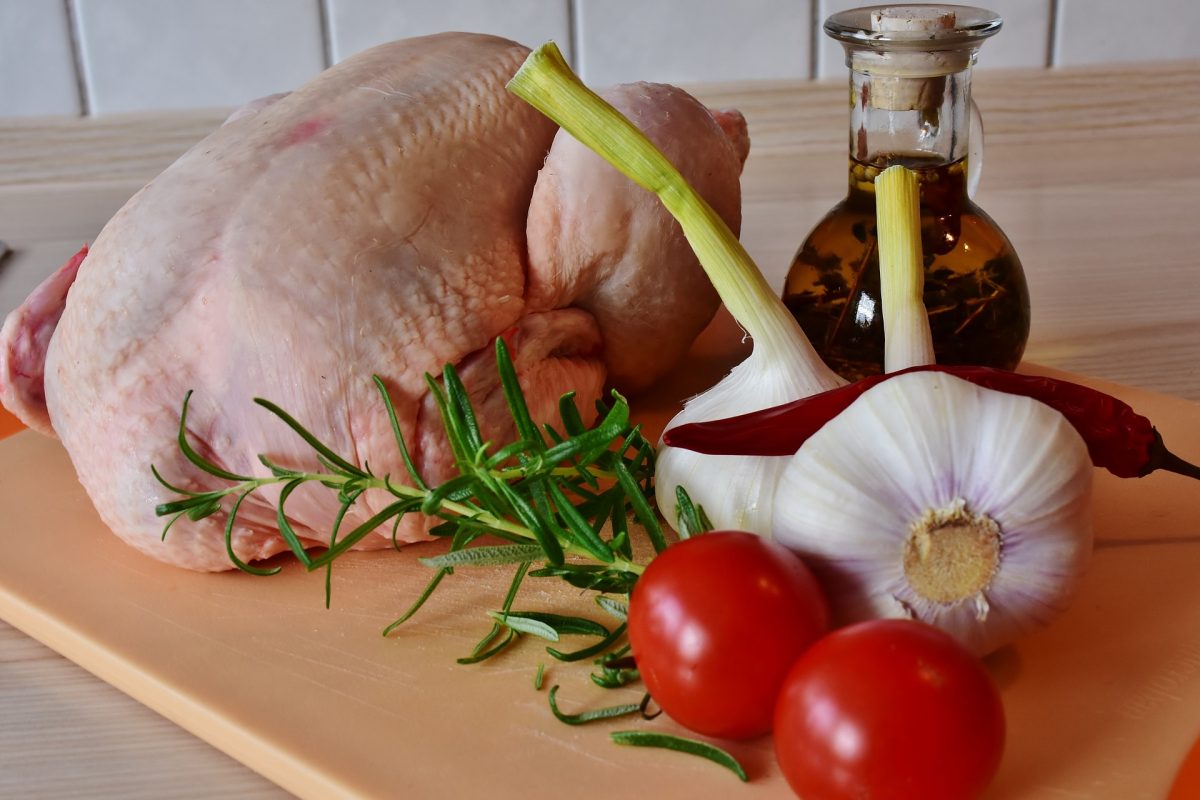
[[549, 497], [542, 493]]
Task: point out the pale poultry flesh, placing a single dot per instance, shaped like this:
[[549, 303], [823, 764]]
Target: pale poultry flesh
[[397, 213]]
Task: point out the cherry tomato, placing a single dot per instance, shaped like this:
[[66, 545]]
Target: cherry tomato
[[889, 709], [715, 622]]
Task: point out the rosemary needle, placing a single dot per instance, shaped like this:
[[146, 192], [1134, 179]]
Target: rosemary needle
[[681, 745], [594, 715]]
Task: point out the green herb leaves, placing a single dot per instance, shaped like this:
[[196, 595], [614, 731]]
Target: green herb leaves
[[551, 494], [593, 715], [681, 745], [486, 556], [549, 497], [554, 503]]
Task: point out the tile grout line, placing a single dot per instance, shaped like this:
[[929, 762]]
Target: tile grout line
[[573, 36], [1052, 42], [75, 38], [323, 21], [814, 39]]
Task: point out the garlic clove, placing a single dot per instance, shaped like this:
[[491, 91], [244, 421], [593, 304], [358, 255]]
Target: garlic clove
[[737, 492], [932, 498]]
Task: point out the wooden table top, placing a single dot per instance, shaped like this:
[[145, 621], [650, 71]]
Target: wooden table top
[[1094, 174]]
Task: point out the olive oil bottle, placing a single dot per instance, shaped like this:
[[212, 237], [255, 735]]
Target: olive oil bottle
[[910, 88]]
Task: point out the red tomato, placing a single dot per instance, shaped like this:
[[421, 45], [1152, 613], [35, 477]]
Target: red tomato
[[889, 709], [715, 622]]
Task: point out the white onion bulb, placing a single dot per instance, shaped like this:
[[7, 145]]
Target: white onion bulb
[[932, 498]]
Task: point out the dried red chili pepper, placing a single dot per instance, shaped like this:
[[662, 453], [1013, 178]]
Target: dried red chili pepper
[[1118, 438]]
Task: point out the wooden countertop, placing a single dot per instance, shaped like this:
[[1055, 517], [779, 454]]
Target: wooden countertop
[[1094, 174]]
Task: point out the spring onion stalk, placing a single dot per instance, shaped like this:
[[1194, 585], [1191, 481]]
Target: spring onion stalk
[[908, 341], [735, 491]]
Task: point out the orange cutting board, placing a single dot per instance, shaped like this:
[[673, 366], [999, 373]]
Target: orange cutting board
[[1103, 704], [8, 423]]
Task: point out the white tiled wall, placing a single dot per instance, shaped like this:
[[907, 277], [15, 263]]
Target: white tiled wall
[[140, 54], [678, 41], [37, 72], [355, 25], [1129, 30], [103, 56]]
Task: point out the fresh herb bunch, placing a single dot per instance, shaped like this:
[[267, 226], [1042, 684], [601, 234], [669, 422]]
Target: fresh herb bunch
[[549, 497]]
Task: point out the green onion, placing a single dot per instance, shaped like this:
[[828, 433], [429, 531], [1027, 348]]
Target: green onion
[[907, 339], [546, 82], [736, 492]]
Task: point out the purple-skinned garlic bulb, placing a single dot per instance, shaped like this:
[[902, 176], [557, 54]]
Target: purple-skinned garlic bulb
[[935, 499]]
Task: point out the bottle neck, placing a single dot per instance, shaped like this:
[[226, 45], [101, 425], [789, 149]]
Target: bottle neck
[[918, 122]]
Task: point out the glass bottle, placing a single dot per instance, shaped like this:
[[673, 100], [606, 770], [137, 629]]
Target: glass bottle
[[910, 90]]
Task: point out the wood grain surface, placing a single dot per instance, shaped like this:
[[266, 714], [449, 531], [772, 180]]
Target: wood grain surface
[[1094, 174]]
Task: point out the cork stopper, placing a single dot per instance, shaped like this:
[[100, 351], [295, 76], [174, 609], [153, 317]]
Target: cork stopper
[[913, 18], [908, 50], [896, 91], [913, 28]]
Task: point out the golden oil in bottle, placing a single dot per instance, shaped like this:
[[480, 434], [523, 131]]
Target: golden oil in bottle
[[910, 104], [975, 289]]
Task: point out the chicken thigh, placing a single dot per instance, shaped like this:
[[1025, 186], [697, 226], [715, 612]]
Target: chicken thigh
[[375, 221]]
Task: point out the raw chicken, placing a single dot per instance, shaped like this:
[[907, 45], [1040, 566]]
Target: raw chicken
[[371, 222]]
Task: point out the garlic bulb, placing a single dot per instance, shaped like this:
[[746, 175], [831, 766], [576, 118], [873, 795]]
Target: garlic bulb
[[932, 498]]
